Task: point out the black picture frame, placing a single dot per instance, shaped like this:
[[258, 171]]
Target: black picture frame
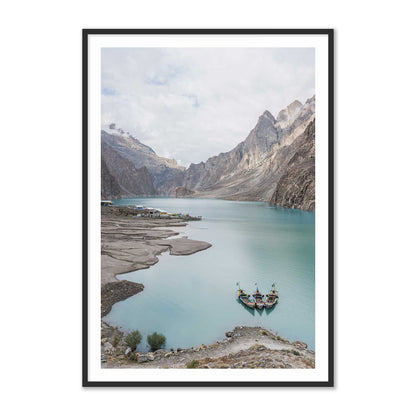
[[330, 34]]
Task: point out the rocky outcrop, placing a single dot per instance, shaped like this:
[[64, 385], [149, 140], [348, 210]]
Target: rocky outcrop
[[296, 187], [121, 178], [181, 192]]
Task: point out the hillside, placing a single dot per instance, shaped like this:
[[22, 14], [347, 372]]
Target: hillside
[[130, 148], [120, 178]]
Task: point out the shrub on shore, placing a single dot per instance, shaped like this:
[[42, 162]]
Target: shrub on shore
[[116, 340], [156, 340], [193, 364], [133, 339]]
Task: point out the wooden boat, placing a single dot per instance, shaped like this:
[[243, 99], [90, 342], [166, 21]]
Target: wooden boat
[[271, 298], [258, 298], [245, 299]]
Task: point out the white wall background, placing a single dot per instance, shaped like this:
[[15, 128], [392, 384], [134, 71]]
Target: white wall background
[[41, 250]]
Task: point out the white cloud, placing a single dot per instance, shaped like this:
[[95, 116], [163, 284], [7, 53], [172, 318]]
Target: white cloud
[[191, 104]]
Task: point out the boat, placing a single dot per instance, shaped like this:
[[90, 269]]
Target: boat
[[271, 298], [258, 298], [245, 299]]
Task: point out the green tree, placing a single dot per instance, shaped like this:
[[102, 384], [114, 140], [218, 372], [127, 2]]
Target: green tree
[[133, 339], [156, 340]]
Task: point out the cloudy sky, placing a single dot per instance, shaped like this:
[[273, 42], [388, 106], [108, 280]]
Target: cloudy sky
[[190, 104]]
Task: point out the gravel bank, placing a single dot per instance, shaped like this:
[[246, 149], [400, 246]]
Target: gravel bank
[[129, 243]]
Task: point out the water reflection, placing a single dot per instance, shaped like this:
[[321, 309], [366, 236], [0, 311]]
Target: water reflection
[[251, 311]]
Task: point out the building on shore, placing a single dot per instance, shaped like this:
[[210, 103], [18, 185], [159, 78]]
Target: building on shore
[[149, 212]]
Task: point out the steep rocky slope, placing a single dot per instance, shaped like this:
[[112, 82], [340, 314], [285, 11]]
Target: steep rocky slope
[[162, 169], [120, 178], [109, 186], [296, 187]]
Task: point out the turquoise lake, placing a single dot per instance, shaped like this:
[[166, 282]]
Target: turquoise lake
[[192, 299]]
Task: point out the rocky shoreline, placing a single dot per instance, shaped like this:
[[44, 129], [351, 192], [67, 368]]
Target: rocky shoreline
[[114, 292], [244, 347]]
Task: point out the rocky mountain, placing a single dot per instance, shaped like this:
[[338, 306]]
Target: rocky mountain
[[245, 156], [126, 145], [294, 118], [251, 170], [296, 187], [120, 177], [289, 114]]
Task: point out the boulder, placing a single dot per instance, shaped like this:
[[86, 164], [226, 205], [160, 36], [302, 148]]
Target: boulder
[[300, 345], [201, 347], [108, 348], [142, 358]]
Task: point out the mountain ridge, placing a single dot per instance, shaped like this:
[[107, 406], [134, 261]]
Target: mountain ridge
[[249, 171], [141, 155]]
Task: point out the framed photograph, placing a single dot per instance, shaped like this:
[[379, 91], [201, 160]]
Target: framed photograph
[[208, 230]]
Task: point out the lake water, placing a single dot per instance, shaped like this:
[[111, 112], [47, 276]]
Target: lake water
[[192, 299]]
